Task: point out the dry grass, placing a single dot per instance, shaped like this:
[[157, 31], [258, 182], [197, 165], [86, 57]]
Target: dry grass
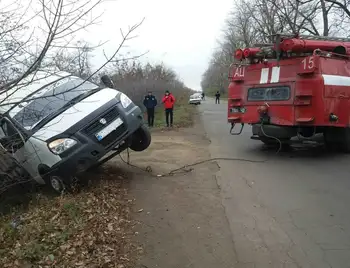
[[91, 228]]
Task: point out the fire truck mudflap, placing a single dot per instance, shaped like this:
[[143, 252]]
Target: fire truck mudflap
[[296, 87]]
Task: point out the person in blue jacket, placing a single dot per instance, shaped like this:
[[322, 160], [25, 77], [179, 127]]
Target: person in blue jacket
[[150, 102]]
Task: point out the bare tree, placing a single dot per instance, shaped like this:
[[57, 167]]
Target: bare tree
[[52, 25], [339, 14], [341, 5], [136, 79], [75, 61]]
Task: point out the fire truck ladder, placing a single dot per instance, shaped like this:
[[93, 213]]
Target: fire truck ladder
[[310, 37], [304, 37], [278, 37]]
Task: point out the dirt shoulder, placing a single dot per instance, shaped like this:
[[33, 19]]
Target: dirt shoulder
[[181, 219]]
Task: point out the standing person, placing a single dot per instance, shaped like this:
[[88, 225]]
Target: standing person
[[217, 97], [150, 102], [169, 101], [203, 97]]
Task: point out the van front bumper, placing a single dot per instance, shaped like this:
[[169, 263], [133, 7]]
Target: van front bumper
[[89, 152], [194, 102]]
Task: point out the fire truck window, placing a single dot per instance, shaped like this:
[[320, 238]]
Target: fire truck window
[[269, 94], [281, 93], [256, 94]]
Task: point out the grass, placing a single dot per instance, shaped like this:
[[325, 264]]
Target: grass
[[183, 113]]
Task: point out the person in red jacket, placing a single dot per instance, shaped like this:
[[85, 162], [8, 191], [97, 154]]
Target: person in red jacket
[[169, 101]]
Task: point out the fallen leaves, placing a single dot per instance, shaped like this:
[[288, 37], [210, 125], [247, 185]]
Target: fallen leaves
[[89, 229]]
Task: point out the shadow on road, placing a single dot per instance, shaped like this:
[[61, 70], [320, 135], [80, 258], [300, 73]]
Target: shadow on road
[[307, 151]]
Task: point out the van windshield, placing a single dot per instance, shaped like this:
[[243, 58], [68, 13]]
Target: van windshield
[[50, 99]]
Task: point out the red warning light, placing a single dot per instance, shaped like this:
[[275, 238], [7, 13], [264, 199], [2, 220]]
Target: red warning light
[[239, 54], [251, 52]]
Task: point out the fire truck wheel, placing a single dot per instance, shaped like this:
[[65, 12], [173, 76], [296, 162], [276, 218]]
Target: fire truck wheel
[[332, 137], [346, 141], [330, 144]]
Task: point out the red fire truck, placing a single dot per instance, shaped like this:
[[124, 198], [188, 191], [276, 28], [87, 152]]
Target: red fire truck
[[298, 86]]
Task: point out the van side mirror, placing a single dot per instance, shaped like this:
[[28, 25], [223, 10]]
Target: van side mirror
[[107, 81]]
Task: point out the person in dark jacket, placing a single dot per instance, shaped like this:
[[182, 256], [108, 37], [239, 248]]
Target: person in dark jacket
[[203, 96], [217, 97], [150, 102]]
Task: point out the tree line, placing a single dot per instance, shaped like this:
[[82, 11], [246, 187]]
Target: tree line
[[130, 76], [256, 21]]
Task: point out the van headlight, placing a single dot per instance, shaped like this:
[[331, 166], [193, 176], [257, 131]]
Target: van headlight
[[125, 100], [60, 145]]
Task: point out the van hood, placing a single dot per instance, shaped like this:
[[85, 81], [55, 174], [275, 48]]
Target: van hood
[[75, 113]]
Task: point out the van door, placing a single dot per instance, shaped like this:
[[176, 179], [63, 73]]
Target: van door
[[23, 151]]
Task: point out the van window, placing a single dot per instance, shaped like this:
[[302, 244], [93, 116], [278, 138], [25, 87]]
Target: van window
[[10, 138], [53, 100], [8, 129], [2, 133]]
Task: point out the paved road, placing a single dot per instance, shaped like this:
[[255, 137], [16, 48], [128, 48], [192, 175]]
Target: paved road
[[291, 211]]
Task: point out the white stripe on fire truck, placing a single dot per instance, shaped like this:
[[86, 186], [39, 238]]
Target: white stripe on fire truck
[[264, 77], [275, 77], [336, 80]]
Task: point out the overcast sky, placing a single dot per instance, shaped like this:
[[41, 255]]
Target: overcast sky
[[180, 33]]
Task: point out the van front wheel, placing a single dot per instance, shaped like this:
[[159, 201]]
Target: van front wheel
[[60, 185], [57, 184], [140, 139]]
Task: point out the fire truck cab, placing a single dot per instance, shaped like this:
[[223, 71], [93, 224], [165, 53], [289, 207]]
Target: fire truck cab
[[297, 86]]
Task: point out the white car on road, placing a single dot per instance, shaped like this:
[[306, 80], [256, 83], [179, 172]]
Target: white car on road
[[195, 98]]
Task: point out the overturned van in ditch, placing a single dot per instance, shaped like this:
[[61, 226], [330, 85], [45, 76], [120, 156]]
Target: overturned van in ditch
[[59, 125]]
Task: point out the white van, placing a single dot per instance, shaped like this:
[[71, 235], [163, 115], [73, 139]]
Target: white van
[[59, 125]]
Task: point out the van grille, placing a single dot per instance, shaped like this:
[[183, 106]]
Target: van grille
[[113, 136], [96, 126]]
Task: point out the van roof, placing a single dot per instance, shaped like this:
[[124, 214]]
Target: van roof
[[27, 86]]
